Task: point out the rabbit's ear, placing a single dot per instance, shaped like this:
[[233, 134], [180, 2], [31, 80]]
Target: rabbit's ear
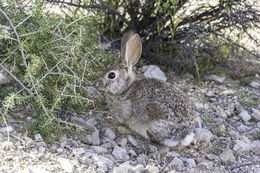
[[124, 39], [133, 50]]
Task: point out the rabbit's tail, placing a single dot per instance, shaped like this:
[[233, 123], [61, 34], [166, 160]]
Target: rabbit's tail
[[186, 141]]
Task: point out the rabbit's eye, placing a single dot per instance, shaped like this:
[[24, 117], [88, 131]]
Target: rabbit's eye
[[111, 75]]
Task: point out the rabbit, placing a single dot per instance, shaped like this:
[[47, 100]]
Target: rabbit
[[154, 109]]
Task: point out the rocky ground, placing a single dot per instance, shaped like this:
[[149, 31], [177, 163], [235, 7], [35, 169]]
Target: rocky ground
[[227, 138]]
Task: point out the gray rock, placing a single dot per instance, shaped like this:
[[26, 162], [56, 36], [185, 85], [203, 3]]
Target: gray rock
[[60, 150], [243, 128], [242, 145], [244, 115], [78, 151], [132, 141], [110, 134], [120, 154], [227, 92], [203, 135], [126, 167], [92, 139], [176, 162], [219, 79], [92, 122], [38, 137], [7, 129], [227, 157], [99, 149], [200, 106], [29, 141], [122, 142], [7, 145], [191, 162], [141, 159], [66, 164], [4, 79], [255, 147], [212, 157], [34, 169], [255, 84], [123, 131], [153, 71], [102, 162], [210, 94], [206, 164], [238, 107], [256, 114]]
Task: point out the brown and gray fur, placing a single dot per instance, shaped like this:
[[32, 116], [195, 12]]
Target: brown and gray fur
[[156, 110]]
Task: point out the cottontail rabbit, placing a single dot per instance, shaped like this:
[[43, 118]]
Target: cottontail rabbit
[[153, 109]]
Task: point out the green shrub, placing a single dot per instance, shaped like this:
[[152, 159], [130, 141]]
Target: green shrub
[[52, 59]]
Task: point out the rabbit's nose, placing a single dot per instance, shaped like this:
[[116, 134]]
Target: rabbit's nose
[[99, 83]]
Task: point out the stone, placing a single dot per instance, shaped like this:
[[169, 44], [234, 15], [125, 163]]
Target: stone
[[110, 134], [120, 154], [92, 122], [102, 162], [243, 128], [210, 94], [132, 141], [176, 162], [238, 107], [256, 114], [7, 145], [78, 151], [29, 141], [153, 71], [203, 135], [242, 145], [92, 139], [99, 149], [141, 159], [123, 131], [34, 169], [126, 167], [227, 92], [4, 79], [200, 106], [244, 115], [206, 164], [38, 137], [7, 129], [227, 157], [255, 147], [190, 162], [122, 142], [255, 84], [215, 78], [66, 164]]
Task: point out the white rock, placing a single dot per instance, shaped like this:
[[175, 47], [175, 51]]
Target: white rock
[[92, 139], [34, 169], [120, 154], [99, 149], [38, 137], [110, 134], [210, 94], [92, 122], [122, 142], [244, 115], [256, 114], [7, 129], [241, 145], [203, 135], [255, 84], [239, 107], [78, 151], [227, 157], [242, 128], [132, 141], [191, 162], [153, 71], [255, 147], [141, 159], [219, 79], [102, 162], [3, 78], [176, 162], [66, 164], [200, 106], [206, 164], [126, 167]]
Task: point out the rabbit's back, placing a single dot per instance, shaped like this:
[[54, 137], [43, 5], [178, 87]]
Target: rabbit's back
[[155, 107]]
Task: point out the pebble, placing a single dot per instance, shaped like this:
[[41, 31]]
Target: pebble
[[219, 79], [200, 106], [28, 141], [127, 167], [153, 71], [78, 151], [227, 157], [38, 137], [206, 164], [99, 149], [120, 154], [255, 84], [110, 134], [203, 135], [122, 142], [210, 94], [256, 114], [242, 146], [243, 128], [238, 107], [102, 162], [66, 164], [141, 159], [244, 115], [176, 162], [132, 140], [7, 129], [191, 162], [92, 122], [92, 139], [123, 131]]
